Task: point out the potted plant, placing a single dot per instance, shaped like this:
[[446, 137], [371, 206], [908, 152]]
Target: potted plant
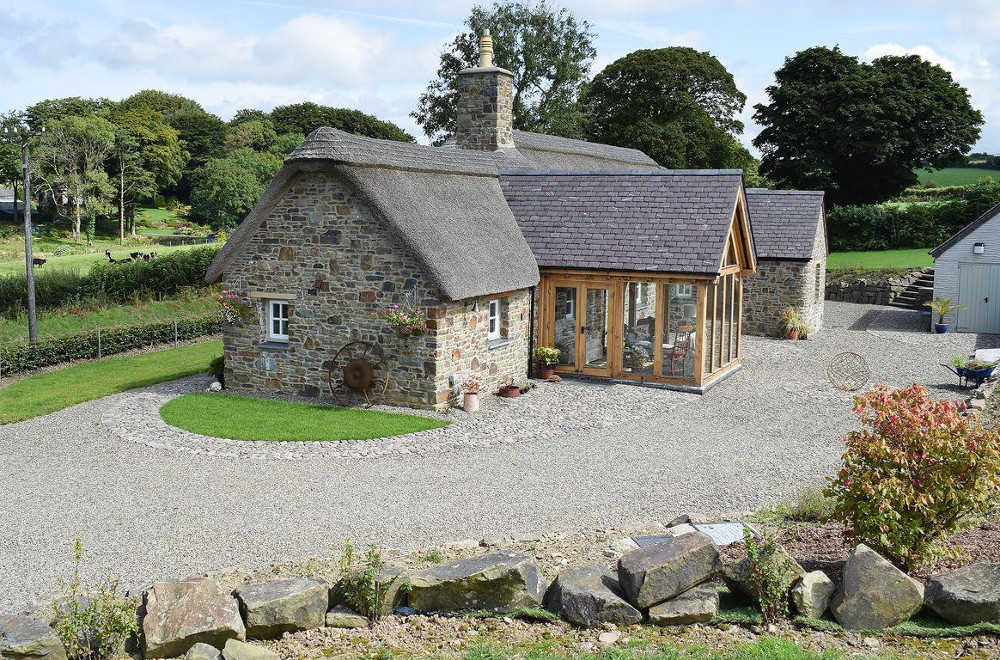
[[792, 323], [510, 390], [942, 307], [234, 308], [470, 389], [547, 357], [407, 321]]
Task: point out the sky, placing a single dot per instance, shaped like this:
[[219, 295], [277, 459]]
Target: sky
[[378, 55]]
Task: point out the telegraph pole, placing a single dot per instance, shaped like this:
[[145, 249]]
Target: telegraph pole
[[26, 134]]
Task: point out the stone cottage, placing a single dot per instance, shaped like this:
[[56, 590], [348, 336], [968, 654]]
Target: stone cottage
[[789, 232]]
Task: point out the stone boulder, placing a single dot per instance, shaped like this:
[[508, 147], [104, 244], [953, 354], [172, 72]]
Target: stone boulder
[[390, 578], [874, 594], [237, 650], [272, 608], [737, 576], [502, 581], [181, 614], [697, 605], [203, 652], [966, 595], [811, 595], [343, 617], [652, 575], [590, 596], [24, 638]]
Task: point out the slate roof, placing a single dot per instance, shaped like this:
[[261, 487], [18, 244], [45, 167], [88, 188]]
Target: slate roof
[[653, 220], [785, 222], [966, 230]]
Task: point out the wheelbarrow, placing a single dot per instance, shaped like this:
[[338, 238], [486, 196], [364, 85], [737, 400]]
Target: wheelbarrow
[[971, 377]]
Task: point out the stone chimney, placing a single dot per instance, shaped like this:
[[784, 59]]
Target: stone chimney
[[485, 112]]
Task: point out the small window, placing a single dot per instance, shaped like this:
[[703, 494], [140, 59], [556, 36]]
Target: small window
[[493, 332], [277, 320], [683, 290]]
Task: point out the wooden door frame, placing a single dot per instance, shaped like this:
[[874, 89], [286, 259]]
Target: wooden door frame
[[581, 285]]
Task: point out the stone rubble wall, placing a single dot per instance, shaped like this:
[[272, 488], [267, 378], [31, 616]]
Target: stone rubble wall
[[779, 284], [870, 289], [485, 109]]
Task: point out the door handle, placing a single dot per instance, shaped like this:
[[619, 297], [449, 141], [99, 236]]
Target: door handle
[[986, 299], [583, 329]]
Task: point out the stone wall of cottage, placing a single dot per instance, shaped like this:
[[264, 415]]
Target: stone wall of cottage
[[484, 112]]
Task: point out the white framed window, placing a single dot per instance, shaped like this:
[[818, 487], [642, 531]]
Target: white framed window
[[683, 290], [493, 322], [277, 320]]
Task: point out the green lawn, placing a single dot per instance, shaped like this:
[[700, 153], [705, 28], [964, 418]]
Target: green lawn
[[13, 262], [764, 648], [73, 321], [882, 260], [243, 418], [956, 176], [54, 390]]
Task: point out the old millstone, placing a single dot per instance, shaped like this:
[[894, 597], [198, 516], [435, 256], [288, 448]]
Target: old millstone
[[503, 581], [652, 575], [590, 596], [390, 579], [237, 650], [697, 605], [343, 617], [874, 594], [24, 638], [180, 614], [203, 652], [811, 595], [737, 576], [272, 608], [966, 595]]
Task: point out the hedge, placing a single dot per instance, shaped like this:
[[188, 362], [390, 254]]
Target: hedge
[[110, 283], [19, 358]]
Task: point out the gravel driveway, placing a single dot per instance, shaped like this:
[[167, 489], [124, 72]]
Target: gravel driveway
[[572, 456]]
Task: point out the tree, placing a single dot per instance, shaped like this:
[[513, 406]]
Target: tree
[[286, 143], [256, 134], [11, 174], [147, 157], [548, 50], [306, 117], [677, 104], [41, 113], [71, 155], [224, 193], [859, 130]]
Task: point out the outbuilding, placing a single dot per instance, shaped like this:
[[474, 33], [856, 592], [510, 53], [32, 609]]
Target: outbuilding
[[967, 270]]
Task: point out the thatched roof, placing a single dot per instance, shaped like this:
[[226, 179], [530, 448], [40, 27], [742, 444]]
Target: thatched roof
[[785, 222], [558, 153], [445, 206]]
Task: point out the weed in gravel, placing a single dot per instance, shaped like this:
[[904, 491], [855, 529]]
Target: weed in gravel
[[364, 587], [434, 557], [810, 505]]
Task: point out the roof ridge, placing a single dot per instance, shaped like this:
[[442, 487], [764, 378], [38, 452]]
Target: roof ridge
[[769, 191], [621, 172]]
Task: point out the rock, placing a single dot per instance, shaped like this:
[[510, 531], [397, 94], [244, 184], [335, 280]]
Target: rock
[[737, 576], [966, 595], [589, 596], [272, 608], [392, 579], [181, 614], [609, 638], [687, 519], [24, 638], [874, 594], [652, 575], [237, 650], [344, 617], [203, 652], [216, 386], [697, 605], [811, 595], [503, 580]]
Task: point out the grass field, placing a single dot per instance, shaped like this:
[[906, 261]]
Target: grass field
[[883, 260], [73, 321], [12, 261], [956, 176], [48, 392], [243, 418]]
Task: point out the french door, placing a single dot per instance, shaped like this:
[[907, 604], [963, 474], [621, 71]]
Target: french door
[[580, 325]]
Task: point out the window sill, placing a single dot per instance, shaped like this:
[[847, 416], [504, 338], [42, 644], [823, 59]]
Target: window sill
[[272, 345], [497, 343]]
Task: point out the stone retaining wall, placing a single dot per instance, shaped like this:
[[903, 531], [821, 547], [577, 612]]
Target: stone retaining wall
[[871, 289]]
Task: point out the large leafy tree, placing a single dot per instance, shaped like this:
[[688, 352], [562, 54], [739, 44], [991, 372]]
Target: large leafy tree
[[859, 130], [226, 189], [548, 50], [304, 118], [41, 113], [677, 104]]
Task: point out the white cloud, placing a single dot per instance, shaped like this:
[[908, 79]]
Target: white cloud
[[924, 52]]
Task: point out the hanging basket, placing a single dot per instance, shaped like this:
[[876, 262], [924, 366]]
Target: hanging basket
[[410, 330]]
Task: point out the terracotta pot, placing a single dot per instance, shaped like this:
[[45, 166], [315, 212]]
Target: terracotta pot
[[510, 392], [792, 334], [546, 370], [470, 403]]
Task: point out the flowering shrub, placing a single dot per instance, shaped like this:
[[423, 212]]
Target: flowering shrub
[[407, 319], [915, 472], [471, 384], [767, 579], [234, 308]]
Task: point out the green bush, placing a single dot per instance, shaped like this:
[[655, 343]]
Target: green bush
[[916, 471], [365, 587], [19, 358], [767, 576]]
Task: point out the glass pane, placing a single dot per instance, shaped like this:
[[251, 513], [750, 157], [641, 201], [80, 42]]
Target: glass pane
[[565, 325], [680, 316], [736, 285], [639, 328], [596, 333], [719, 336], [709, 328]]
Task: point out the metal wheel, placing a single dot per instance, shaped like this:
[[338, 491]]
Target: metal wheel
[[358, 374]]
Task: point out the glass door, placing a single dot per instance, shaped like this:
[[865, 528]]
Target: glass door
[[580, 326], [594, 329]]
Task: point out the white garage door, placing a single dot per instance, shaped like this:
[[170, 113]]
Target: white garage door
[[979, 291]]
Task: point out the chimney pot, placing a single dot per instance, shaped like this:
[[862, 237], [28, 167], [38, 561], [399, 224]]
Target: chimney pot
[[486, 50]]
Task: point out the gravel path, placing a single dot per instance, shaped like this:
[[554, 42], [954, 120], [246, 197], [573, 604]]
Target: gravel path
[[566, 457]]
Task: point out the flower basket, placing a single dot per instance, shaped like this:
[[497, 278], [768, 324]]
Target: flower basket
[[407, 321], [234, 309]]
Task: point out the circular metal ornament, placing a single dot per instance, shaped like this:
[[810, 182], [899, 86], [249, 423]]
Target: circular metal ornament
[[358, 374], [848, 371]]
